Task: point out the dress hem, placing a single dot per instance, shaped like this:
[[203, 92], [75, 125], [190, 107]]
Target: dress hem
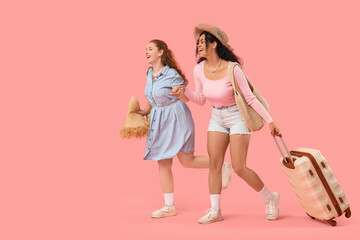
[[165, 157]]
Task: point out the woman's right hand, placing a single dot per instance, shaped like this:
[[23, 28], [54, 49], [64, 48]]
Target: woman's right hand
[[142, 112], [146, 110]]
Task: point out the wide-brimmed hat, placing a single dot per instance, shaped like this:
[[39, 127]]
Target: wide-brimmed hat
[[217, 32]]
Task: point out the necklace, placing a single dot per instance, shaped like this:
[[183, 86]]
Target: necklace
[[155, 76], [215, 68]]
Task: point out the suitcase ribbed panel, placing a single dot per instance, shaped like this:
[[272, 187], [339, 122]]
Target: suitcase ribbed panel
[[330, 177], [314, 183], [309, 189]]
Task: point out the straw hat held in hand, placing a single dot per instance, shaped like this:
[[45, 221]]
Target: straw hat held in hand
[[136, 126]]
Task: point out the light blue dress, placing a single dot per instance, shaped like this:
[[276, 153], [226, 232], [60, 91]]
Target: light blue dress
[[171, 124]]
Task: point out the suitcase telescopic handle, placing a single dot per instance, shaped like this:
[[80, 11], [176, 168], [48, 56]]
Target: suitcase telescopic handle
[[287, 150]]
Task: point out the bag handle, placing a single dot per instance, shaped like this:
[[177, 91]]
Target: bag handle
[[234, 83], [287, 150]]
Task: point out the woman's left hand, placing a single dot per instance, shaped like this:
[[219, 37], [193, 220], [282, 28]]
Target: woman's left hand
[[274, 129]]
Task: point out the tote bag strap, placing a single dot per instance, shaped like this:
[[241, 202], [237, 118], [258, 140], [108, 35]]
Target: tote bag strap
[[252, 88], [233, 82]]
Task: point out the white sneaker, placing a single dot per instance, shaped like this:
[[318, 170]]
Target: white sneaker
[[226, 175], [211, 216], [272, 207], [165, 211]]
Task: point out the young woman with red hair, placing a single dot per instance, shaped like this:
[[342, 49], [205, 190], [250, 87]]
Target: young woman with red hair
[[171, 125]]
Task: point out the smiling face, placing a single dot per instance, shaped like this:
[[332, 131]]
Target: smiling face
[[153, 54], [201, 46], [204, 47]]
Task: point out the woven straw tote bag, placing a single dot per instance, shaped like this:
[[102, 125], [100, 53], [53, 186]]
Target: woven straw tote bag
[[251, 118]]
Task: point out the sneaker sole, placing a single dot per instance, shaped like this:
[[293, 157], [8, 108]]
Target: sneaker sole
[[165, 215], [217, 220]]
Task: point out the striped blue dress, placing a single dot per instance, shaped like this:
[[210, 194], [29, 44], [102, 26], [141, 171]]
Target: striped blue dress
[[171, 124]]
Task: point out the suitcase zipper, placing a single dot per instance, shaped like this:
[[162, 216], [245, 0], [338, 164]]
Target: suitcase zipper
[[322, 178]]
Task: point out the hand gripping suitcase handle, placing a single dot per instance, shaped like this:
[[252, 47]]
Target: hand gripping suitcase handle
[[287, 150]]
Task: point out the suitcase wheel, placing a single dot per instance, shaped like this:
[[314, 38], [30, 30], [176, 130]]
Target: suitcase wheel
[[347, 213], [332, 222]]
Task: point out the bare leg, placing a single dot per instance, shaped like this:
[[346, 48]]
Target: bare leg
[[188, 160], [166, 176], [167, 185], [217, 144], [239, 144]]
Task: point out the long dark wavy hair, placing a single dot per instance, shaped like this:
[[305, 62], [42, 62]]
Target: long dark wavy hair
[[223, 52], [168, 57]]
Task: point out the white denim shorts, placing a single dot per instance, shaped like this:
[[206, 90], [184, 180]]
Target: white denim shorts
[[228, 120]]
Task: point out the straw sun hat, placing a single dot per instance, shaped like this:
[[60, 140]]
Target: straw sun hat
[[136, 126], [217, 32]]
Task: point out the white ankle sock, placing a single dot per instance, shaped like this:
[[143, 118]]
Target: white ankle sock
[[169, 199], [265, 194], [215, 201]]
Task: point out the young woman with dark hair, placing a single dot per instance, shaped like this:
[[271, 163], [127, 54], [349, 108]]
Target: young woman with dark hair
[[226, 124]]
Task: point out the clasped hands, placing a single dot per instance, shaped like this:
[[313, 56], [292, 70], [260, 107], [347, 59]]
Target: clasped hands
[[179, 92]]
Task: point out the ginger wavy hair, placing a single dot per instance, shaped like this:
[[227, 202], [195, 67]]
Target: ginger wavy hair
[[168, 57]]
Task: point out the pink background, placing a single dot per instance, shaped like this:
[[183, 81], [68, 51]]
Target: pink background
[[68, 69]]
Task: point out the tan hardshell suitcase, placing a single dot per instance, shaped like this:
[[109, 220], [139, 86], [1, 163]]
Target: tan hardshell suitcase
[[314, 184]]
